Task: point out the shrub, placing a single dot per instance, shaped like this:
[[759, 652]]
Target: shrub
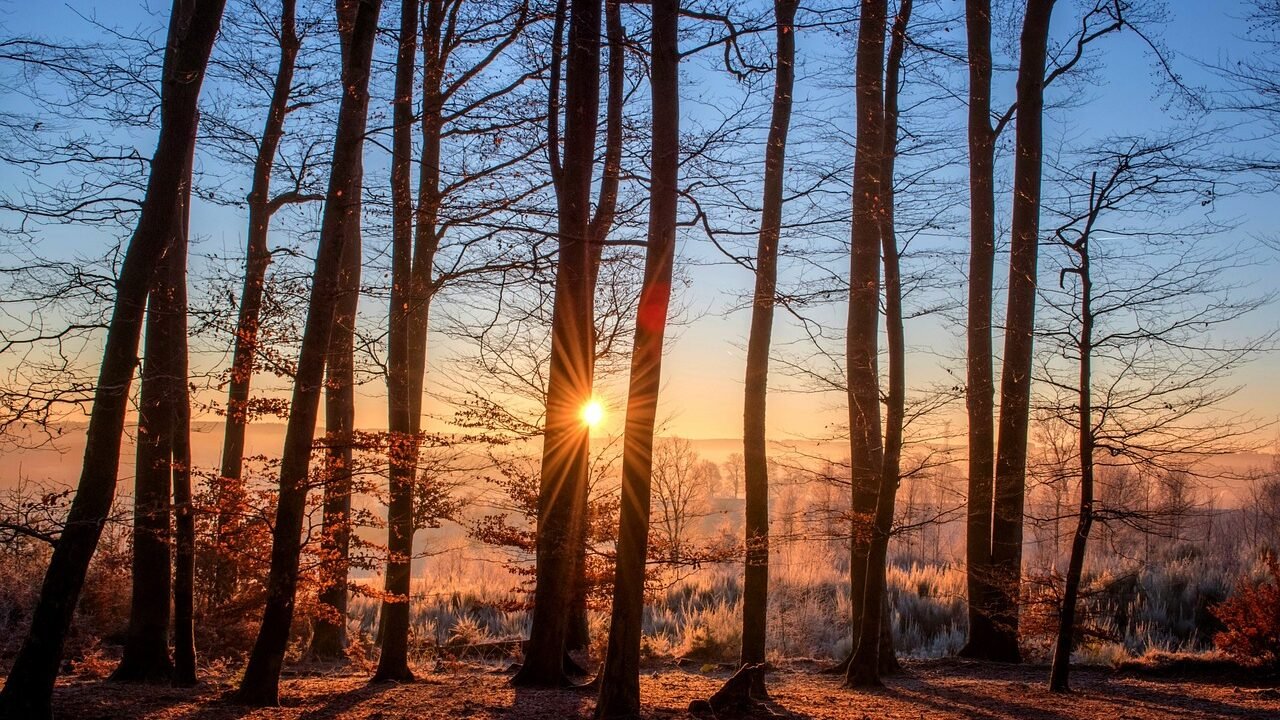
[[1251, 616]]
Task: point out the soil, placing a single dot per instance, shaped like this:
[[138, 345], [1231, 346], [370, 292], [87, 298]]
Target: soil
[[931, 689]]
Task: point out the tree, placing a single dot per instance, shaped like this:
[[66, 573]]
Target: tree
[[996, 474], [620, 678], [734, 468], [357, 22], [566, 438], [262, 206], [1135, 320], [161, 470], [755, 469], [402, 455], [28, 688]]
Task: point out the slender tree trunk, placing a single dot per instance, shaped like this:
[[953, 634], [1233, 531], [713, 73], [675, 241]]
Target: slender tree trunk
[[566, 439], [1058, 674], [146, 649], [601, 223], [393, 663], [184, 560], [755, 595], [866, 450], [230, 490], [896, 398], [980, 386], [358, 22], [1015, 378], [29, 686], [329, 634], [620, 679]]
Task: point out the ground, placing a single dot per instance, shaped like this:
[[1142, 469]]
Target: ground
[[933, 689]]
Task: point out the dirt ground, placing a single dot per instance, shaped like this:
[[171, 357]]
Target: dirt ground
[[934, 689]]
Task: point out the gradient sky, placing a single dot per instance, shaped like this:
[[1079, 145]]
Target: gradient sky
[[703, 371]]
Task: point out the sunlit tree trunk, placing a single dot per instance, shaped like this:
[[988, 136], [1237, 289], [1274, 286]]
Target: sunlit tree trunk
[[358, 23], [620, 678], [561, 508], [1015, 377], [29, 685]]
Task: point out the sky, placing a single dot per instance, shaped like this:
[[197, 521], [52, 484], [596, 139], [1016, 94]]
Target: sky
[[703, 371]]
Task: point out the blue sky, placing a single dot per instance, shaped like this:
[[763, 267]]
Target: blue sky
[[702, 391]]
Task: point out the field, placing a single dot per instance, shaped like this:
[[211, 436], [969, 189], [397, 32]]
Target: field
[[930, 689]]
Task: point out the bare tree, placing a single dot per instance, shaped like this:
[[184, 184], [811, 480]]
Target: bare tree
[[29, 685], [1137, 320], [358, 22]]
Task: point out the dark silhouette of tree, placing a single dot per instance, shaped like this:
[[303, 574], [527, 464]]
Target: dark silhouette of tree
[[566, 438], [329, 630], [162, 405], [27, 691], [755, 591], [1015, 374], [620, 677], [1139, 291], [262, 206], [866, 448], [358, 24]]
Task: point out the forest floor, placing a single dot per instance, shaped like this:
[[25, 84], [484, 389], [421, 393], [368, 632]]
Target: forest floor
[[928, 689]]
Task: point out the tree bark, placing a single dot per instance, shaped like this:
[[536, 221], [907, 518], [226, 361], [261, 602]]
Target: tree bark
[[1015, 377], [146, 650], [329, 633], [601, 223], [866, 449], [895, 339], [358, 23], [29, 686], [980, 385], [230, 491], [184, 559], [755, 594], [620, 679], [566, 439], [403, 412]]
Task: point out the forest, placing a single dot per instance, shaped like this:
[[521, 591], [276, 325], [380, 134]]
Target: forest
[[639, 359]]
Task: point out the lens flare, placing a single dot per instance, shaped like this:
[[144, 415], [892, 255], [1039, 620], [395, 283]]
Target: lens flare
[[592, 413]]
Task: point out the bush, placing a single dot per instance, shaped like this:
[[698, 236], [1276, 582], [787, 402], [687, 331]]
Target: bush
[[1251, 616]]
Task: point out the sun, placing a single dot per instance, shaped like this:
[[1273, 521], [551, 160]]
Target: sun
[[592, 413]]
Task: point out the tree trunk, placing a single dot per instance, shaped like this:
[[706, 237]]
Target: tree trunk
[[620, 679], [146, 649], [896, 398], [566, 439], [1015, 378], [329, 634], [29, 686], [755, 594], [980, 386], [866, 451], [230, 491], [601, 223], [1058, 674], [393, 662], [184, 561], [358, 22]]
